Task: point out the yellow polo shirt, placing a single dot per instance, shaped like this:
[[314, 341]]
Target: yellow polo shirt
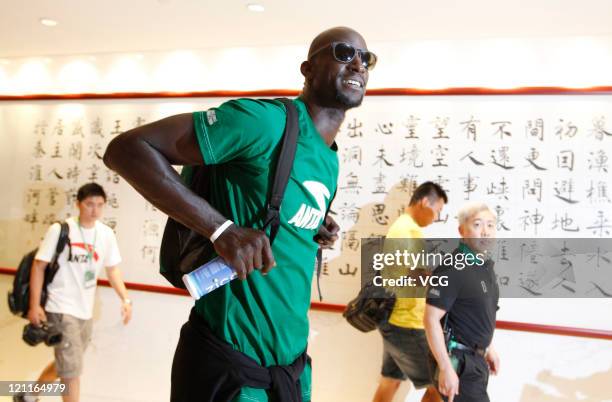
[[408, 312]]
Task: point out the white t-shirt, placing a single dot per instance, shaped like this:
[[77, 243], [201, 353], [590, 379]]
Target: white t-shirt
[[74, 286]]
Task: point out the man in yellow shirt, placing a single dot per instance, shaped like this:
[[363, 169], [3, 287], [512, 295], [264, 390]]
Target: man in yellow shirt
[[405, 349]]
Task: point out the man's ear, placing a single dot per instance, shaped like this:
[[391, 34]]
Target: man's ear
[[461, 230], [306, 69]]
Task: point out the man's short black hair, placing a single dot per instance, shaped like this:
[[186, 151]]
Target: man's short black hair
[[90, 190], [428, 189]]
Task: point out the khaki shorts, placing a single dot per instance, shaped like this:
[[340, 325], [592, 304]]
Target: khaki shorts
[[76, 334]]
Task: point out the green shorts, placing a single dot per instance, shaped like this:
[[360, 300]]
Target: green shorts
[[76, 334]]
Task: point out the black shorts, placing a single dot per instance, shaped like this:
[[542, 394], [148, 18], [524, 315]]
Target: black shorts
[[406, 355], [193, 380], [206, 369]]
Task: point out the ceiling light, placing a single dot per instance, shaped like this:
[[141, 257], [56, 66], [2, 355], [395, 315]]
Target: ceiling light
[[48, 22], [256, 8]]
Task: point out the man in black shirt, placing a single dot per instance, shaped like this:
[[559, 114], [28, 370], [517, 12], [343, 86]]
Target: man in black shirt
[[467, 308]]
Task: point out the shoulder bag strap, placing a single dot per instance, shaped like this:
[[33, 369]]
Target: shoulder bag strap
[[283, 168]]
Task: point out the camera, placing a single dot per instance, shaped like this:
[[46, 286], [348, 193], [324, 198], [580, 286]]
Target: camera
[[47, 332]]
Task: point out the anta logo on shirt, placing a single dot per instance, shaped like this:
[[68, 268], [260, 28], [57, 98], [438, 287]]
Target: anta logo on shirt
[[82, 258], [308, 217]]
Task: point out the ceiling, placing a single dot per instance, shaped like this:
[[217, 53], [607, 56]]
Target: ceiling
[[90, 26]]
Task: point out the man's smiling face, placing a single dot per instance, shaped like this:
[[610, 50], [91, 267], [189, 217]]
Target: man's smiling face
[[336, 83]]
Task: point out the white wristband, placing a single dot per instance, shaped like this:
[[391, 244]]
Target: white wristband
[[220, 230]]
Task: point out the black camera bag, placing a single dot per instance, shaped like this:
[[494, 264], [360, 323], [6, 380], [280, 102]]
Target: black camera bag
[[374, 304]]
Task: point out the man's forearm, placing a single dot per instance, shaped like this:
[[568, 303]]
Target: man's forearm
[[152, 175], [116, 282], [435, 338], [144, 157], [37, 278]]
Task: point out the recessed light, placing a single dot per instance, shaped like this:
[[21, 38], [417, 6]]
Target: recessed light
[[48, 22], [256, 8]]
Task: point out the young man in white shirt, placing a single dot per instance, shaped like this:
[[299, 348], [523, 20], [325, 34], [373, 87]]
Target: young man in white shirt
[[92, 245]]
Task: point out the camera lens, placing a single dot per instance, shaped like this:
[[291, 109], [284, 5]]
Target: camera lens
[[53, 339], [32, 335]]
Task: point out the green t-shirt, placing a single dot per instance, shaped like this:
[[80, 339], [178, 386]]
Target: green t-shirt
[[265, 317]]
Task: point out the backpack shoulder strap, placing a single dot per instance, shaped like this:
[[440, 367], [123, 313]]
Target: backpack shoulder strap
[[63, 237], [283, 168], [62, 241]]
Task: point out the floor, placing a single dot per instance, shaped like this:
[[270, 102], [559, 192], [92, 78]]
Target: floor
[[132, 363]]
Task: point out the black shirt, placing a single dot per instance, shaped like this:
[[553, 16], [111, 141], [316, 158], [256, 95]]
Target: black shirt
[[470, 298]]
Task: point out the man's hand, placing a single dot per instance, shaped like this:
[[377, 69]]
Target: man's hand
[[126, 311], [328, 233], [36, 315], [492, 359], [245, 249], [448, 383]]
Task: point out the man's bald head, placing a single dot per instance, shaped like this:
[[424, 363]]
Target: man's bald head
[[336, 34]]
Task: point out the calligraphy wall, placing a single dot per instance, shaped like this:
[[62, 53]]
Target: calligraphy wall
[[541, 162]]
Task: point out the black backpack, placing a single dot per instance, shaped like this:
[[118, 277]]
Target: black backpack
[[373, 305], [183, 250], [19, 297]]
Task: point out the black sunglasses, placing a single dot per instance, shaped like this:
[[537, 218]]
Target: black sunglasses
[[345, 53]]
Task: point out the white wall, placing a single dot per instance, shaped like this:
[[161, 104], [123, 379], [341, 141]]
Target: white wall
[[497, 63]]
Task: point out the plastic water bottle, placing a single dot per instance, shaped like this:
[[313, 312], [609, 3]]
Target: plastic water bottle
[[208, 277]]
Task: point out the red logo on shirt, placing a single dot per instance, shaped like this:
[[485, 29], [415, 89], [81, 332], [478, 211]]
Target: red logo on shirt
[[87, 247]]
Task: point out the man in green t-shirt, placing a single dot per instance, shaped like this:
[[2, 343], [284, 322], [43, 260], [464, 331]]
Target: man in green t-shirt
[[246, 341]]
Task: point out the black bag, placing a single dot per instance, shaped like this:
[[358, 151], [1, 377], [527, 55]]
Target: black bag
[[183, 250], [374, 304], [19, 297]]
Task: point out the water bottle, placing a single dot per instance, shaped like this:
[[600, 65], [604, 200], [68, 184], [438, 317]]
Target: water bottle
[[210, 276]]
